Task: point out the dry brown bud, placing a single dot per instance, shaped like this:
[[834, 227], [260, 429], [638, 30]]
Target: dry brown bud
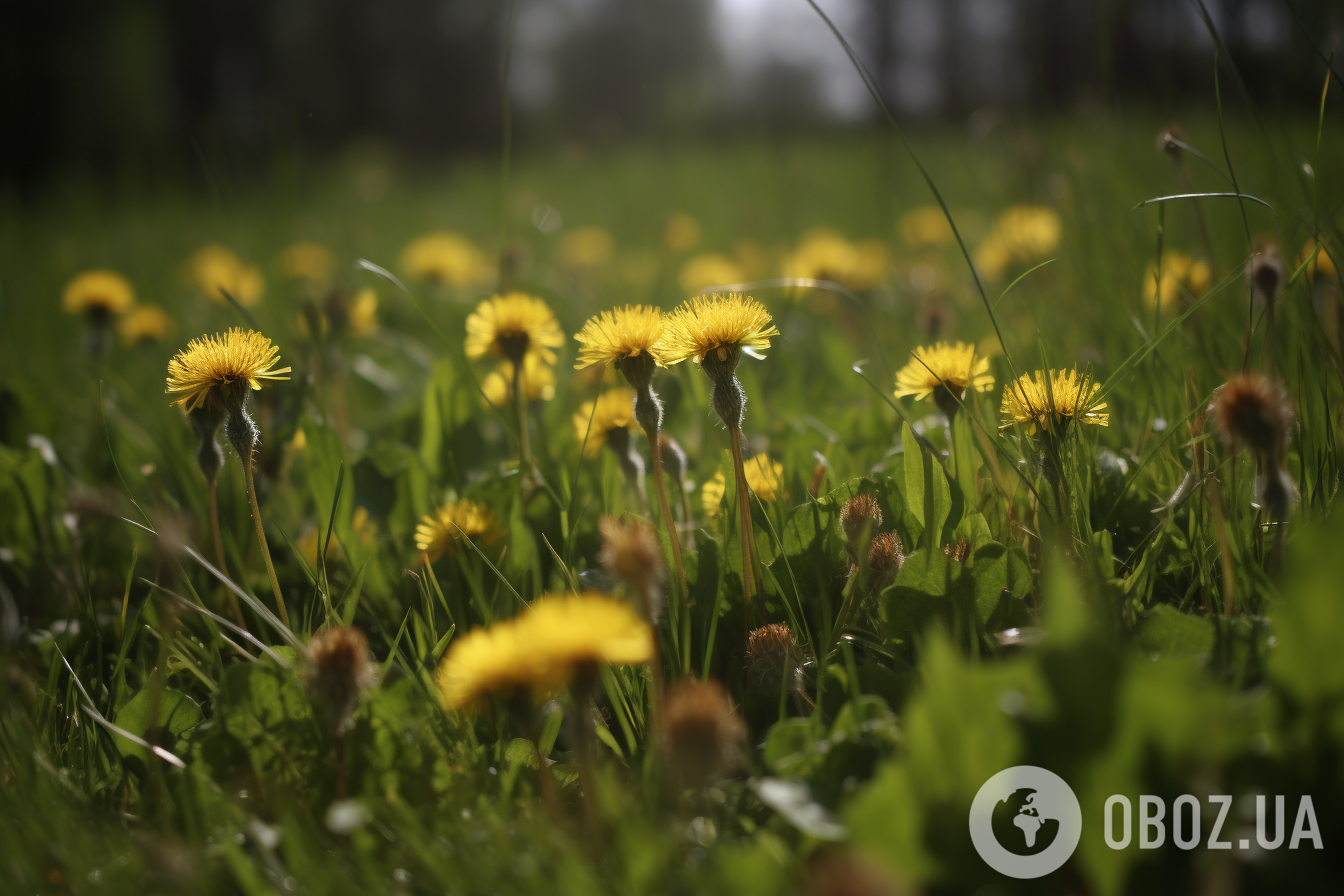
[[885, 555], [337, 671], [1253, 412], [771, 654], [700, 734], [631, 552], [859, 515]]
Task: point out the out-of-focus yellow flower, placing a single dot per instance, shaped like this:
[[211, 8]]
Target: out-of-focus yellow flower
[[443, 256], [216, 269], [870, 267], [926, 227], [826, 255], [764, 478], [709, 269], [362, 318], [1178, 271], [682, 232], [101, 291], [586, 247], [1040, 401], [1021, 235], [235, 360], [594, 422], [512, 326], [1322, 264], [955, 367], [144, 323], [717, 323], [307, 261], [543, 648], [363, 527], [450, 524], [538, 382]]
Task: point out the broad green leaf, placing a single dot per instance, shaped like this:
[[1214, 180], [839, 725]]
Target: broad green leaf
[[173, 719]]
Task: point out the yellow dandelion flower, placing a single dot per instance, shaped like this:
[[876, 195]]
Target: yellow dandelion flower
[[362, 316], [871, 265], [446, 257], [1022, 234], [513, 326], [538, 382], [621, 333], [925, 227], [709, 269], [442, 529], [822, 255], [215, 269], [765, 478], [100, 291], [956, 367], [1322, 264], [1042, 401], [229, 362], [613, 410], [681, 233], [1178, 272], [717, 323], [569, 631], [586, 247], [144, 323], [485, 661], [307, 261]]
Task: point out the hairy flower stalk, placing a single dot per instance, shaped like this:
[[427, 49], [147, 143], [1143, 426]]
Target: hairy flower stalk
[[714, 330], [219, 372], [205, 422]]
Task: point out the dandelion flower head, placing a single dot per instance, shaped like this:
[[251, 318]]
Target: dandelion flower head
[[215, 270], [764, 479], [445, 527], [681, 233], [307, 261], [586, 247], [709, 269], [443, 256], [597, 420], [513, 326], [144, 323], [1322, 264], [957, 366], [361, 318], [538, 382], [621, 333], [212, 367], [98, 290], [925, 227], [1178, 272], [717, 323], [1046, 401]]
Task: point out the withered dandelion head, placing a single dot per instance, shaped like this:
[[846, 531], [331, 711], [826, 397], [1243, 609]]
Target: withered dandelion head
[[860, 514], [613, 336], [700, 736], [1042, 401], [1266, 271], [631, 552], [772, 653], [606, 419], [718, 325], [144, 323], [221, 368], [1253, 412], [337, 671], [945, 372], [885, 555], [98, 292], [512, 326], [452, 523]]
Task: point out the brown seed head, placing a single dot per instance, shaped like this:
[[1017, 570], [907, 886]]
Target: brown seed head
[[860, 514], [700, 735], [631, 552], [337, 672], [771, 654], [1253, 412], [885, 555]]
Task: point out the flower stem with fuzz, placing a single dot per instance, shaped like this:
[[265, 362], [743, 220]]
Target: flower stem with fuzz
[[243, 436], [261, 539], [744, 509], [205, 421]]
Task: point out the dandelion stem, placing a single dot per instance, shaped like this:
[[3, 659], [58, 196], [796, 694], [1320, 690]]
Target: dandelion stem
[[656, 451], [261, 538], [520, 404], [744, 508], [236, 610]]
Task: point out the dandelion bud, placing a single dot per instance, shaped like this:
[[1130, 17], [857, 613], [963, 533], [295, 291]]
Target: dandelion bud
[[1252, 412], [859, 515], [885, 555], [700, 734], [674, 457], [727, 395], [631, 552], [771, 655], [337, 672], [205, 422], [1266, 270]]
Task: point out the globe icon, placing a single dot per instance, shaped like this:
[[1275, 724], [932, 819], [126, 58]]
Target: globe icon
[[1021, 826]]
